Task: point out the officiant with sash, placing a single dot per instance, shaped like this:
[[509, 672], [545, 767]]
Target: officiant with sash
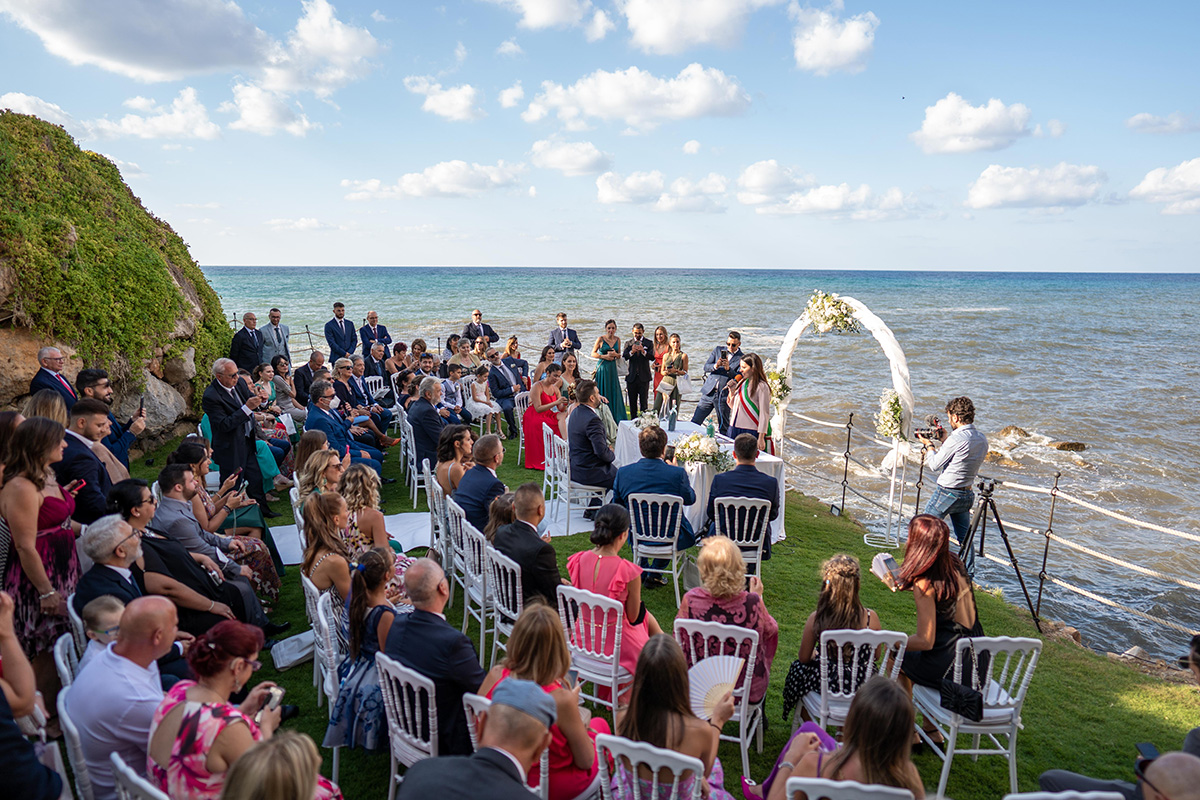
[[748, 397]]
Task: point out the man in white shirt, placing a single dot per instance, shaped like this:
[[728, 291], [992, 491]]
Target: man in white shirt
[[113, 701], [958, 460]]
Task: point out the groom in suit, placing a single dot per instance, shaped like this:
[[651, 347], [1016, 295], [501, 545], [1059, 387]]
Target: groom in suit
[[50, 375], [651, 474], [246, 349], [230, 409], [563, 339], [339, 334], [590, 456]]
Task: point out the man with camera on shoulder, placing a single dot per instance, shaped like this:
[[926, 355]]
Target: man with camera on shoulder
[[958, 460]]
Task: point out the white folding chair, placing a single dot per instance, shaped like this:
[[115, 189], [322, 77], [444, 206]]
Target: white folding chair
[[83, 781], [701, 640], [568, 488], [825, 789], [628, 756], [65, 660], [130, 785], [1009, 669], [416, 479], [850, 658], [411, 708], [437, 510], [297, 511], [551, 486], [77, 629], [593, 625], [654, 524], [157, 492], [476, 602], [456, 518], [326, 648], [464, 386], [520, 405], [473, 706], [312, 596], [745, 520], [504, 586], [374, 384], [1065, 796]]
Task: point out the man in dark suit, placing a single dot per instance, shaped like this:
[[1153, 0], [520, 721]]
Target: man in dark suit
[[744, 480], [477, 328], [650, 474], [337, 430], [50, 375], [639, 352], [591, 457], [479, 485], [517, 364], [230, 409], [275, 338], [512, 735], [362, 393], [373, 333], [303, 377], [519, 540], [339, 334], [94, 382], [425, 642], [505, 385], [722, 364], [246, 348], [374, 362], [427, 422], [87, 426], [563, 339]]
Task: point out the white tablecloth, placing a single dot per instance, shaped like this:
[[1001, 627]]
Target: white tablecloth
[[701, 474]]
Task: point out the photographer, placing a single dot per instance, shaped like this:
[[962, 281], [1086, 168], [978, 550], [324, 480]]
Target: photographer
[[958, 460]]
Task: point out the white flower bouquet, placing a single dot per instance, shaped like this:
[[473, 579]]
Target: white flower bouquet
[[889, 422], [780, 388], [647, 419], [828, 312], [703, 450]]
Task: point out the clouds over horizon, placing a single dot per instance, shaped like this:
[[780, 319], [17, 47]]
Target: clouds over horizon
[[446, 179], [1178, 187], [1059, 186], [952, 125], [641, 188], [570, 158]]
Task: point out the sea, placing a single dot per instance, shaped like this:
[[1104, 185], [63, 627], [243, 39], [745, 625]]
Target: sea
[[1111, 361]]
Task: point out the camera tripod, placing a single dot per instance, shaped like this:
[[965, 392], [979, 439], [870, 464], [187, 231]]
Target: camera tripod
[[979, 517]]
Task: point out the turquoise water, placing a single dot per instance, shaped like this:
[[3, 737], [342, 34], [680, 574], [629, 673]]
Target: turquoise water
[[1108, 360]]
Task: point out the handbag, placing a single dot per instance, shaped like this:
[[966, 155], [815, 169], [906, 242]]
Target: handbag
[[622, 368], [685, 384], [966, 701]]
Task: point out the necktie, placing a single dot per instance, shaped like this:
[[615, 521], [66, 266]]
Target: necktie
[[278, 338], [115, 469], [63, 381]]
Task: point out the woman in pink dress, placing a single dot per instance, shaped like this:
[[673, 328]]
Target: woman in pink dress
[[545, 406], [604, 571]]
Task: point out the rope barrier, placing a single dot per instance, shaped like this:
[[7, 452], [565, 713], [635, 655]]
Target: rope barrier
[[1114, 604], [1147, 525], [1153, 573]]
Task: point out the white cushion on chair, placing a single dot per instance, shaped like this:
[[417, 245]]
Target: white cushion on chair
[[1000, 717]]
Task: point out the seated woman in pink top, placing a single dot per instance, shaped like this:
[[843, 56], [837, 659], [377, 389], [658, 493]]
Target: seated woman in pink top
[[602, 570]]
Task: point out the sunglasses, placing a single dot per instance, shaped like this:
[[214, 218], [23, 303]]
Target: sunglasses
[[1139, 769]]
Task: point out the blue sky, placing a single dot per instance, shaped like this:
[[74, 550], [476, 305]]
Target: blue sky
[[692, 133]]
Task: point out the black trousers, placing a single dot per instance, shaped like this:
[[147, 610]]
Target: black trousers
[[638, 390]]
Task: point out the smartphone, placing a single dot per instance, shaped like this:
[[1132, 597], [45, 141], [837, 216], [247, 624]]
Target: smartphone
[[274, 698], [142, 404], [573, 677], [242, 488], [669, 453], [1147, 751], [82, 483]]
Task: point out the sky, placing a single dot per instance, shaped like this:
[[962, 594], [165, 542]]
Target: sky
[[669, 133]]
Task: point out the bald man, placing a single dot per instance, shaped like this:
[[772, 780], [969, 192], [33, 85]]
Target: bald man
[[1172, 776], [113, 701]]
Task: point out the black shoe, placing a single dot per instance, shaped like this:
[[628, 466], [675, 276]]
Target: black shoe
[[386, 481], [288, 711], [511, 438], [267, 645], [273, 629], [267, 512], [590, 514]]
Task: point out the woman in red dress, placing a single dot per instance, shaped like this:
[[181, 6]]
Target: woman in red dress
[[661, 346], [546, 405]]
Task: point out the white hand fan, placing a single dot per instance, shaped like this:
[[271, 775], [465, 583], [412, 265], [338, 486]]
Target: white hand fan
[[710, 679]]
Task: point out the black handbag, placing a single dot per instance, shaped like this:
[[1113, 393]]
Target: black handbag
[[966, 701]]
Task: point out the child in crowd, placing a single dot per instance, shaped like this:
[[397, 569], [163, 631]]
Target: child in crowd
[[480, 404], [101, 621], [452, 398]]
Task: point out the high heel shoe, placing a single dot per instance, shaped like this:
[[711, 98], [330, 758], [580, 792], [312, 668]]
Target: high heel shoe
[[746, 793]]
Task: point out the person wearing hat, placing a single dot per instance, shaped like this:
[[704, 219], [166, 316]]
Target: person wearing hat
[[512, 734]]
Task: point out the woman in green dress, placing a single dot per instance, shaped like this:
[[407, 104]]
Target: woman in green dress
[[606, 351], [674, 364]]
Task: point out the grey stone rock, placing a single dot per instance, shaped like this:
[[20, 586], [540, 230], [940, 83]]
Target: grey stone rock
[[164, 404], [1074, 447], [180, 369]]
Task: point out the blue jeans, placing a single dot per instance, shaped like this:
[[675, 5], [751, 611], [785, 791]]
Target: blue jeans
[[707, 405], [955, 503]]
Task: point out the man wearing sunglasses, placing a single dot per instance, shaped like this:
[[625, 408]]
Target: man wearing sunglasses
[[477, 329]]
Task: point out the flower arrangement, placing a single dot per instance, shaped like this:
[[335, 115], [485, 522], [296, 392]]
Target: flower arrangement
[[828, 312], [703, 450], [647, 419], [780, 388], [889, 422]]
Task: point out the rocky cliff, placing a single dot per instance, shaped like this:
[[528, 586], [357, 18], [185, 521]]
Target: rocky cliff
[[85, 267]]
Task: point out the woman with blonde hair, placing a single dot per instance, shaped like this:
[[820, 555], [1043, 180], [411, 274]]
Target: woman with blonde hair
[[537, 651], [674, 365], [661, 347], [284, 767], [321, 473], [365, 528], [310, 442], [722, 597], [46, 403]]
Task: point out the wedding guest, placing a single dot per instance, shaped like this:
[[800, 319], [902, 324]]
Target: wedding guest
[[365, 527], [465, 357], [674, 365], [80, 461], [546, 407], [749, 399], [591, 457], [24, 774], [721, 366], [562, 338], [352, 412], [407, 383], [246, 347], [48, 404], [544, 360], [521, 542], [399, 360], [452, 396], [480, 403], [425, 366], [426, 421], [310, 442], [283, 767], [637, 354], [363, 395], [480, 349], [744, 480], [322, 471], [219, 513], [339, 334], [652, 474], [453, 456], [373, 333], [9, 420], [101, 621], [661, 346], [51, 360], [451, 347], [607, 350], [500, 513], [505, 385], [723, 597], [285, 389], [230, 405], [416, 350], [275, 338], [375, 364], [338, 431], [326, 560], [512, 359], [305, 374], [94, 383], [477, 328], [480, 485]]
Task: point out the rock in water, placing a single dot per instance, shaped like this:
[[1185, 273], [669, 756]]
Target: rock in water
[[1074, 447], [1013, 430]]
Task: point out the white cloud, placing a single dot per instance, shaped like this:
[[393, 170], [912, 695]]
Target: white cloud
[[512, 95], [691, 147], [185, 118], [1054, 129], [639, 98], [538, 14], [211, 204], [456, 103], [765, 181], [695, 196], [147, 40], [322, 53], [301, 224], [952, 125], [638, 187], [842, 202], [570, 158], [140, 103], [264, 112], [379, 16], [1178, 187], [509, 47], [599, 27], [1172, 123], [825, 43], [460, 53], [29, 104], [533, 191], [672, 26], [446, 179], [1035, 187]]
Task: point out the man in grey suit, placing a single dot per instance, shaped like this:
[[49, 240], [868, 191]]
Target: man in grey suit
[[275, 338]]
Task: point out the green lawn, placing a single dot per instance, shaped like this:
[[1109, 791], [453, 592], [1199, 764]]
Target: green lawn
[[1083, 712]]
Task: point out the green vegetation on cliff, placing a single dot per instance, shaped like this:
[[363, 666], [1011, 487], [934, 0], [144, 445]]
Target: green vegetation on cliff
[[88, 265]]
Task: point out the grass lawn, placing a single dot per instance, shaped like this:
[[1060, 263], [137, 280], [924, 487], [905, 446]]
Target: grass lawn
[[1083, 712]]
